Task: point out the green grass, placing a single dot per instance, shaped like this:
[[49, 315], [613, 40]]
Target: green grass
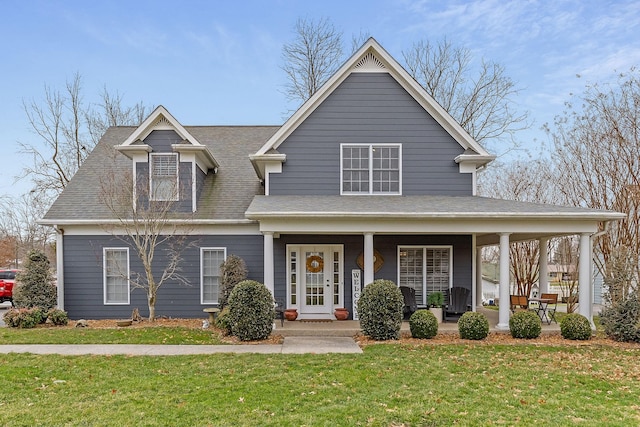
[[388, 385], [148, 335]]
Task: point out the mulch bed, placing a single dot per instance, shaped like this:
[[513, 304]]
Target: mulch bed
[[554, 339]]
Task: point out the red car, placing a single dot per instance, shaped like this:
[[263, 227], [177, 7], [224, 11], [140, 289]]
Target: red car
[[7, 280]]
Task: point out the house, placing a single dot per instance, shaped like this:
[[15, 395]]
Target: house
[[369, 179]]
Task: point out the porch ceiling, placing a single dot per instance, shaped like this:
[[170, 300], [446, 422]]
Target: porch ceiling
[[484, 217]]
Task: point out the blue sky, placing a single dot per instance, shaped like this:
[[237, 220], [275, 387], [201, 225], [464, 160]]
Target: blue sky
[[218, 62]]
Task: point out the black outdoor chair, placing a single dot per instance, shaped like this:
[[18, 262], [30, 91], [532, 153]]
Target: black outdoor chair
[[410, 305], [458, 304]]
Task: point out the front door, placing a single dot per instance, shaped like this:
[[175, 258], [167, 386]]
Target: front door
[[315, 280]]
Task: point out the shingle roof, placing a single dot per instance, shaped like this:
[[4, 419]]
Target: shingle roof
[[414, 207], [226, 194]]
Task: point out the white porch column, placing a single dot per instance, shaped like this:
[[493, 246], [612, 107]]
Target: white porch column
[[503, 313], [368, 258], [584, 278], [478, 301], [543, 275], [268, 262]]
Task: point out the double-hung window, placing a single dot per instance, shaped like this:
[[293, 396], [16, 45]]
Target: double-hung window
[[164, 177], [426, 269], [370, 168], [116, 275], [210, 261]]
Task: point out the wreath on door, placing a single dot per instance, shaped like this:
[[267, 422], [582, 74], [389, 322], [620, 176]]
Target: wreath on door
[[315, 264]]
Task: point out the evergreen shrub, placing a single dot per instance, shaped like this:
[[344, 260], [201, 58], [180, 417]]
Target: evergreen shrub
[[473, 326], [575, 327], [621, 321], [423, 324], [251, 311], [525, 324], [380, 310]]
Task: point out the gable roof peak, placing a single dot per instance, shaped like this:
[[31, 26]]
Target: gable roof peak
[[372, 57]]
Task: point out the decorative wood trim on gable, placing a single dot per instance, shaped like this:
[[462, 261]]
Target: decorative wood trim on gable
[[369, 63]]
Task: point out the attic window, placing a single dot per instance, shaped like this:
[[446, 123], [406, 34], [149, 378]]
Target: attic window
[[164, 177]]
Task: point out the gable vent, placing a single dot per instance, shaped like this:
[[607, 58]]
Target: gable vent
[[369, 62], [162, 123]]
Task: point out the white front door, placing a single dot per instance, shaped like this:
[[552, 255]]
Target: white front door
[[315, 280]]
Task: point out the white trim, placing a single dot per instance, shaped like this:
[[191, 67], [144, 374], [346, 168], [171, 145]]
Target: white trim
[[60, 266], [424, 248], [152, 192], [371, 191], [159, 119], [194, 193], [224, 257], [329, 249], [104, 275]]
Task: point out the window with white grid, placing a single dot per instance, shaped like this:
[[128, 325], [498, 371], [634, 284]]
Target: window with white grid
[[164, 177], [116, 275], [210, 261], [426, 269], [370, 168]]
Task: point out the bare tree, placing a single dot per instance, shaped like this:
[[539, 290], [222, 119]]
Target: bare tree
[[483, 103], [19, 229], [67, 129], [566, 255], [147, 226], [311, 58], [596, 157]]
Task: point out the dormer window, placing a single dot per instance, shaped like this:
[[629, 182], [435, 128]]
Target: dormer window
[[164, 177], [370, 168]]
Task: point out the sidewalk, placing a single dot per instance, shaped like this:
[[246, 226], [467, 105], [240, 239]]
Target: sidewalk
[[290, 345]]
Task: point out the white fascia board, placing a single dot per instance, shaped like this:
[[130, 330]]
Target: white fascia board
[[404, 79], [134, 151], [471, 162], [226, 229], [267, 163], [148, 125], [202, 155], [408, 226]]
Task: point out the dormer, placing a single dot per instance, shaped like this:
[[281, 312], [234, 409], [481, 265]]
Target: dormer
[[167, 161]]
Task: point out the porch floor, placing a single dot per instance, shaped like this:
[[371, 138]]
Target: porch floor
[[350, 328]]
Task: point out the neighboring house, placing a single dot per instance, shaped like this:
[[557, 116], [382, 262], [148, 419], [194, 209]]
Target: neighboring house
[[369, 179]]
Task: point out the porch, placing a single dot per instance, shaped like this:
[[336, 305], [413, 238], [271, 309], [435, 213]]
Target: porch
[[349, 328]]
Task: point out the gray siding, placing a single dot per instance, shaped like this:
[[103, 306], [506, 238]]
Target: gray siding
[[160, 140], [83, 273], [370, 108]]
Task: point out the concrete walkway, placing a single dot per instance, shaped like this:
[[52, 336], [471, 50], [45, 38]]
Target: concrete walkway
[[290, 345]]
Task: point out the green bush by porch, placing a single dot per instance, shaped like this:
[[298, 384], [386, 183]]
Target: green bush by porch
[[525, 324], [423, 324], [473, 326], [251, 311], [380, 310]]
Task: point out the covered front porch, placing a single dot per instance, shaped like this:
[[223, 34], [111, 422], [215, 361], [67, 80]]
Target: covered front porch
[[350, 328]]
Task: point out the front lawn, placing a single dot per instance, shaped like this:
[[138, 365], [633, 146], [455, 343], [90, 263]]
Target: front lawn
[[389, 385]]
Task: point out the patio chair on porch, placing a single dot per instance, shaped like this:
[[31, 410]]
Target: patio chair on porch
[[279, 307], [519, 302], [552, 306], [458, 304], [410, 305]]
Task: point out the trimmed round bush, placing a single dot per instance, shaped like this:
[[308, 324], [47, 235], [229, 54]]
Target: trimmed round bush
[[575, 327], [251, 311], [380, 310], [58, 317], [473, 326], [423, 324], [525, 324], [621, 322]]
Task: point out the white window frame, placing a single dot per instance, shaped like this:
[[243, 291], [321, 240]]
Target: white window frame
[[424, 248], [152, 191], [224, 257], [371, 148], [104, 277]]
